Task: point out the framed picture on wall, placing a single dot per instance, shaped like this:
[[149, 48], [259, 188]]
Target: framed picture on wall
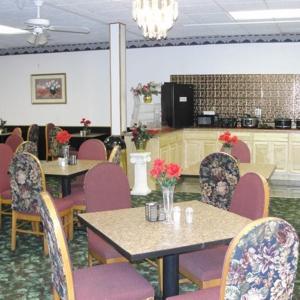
[[48, 88]]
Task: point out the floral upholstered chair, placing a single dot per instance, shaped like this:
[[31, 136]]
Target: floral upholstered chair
[[260, 263], [29, 147], [219, 174], [48, 128], [33, 134], [54, 146], [27, 180], [115, 155], [117, 281], [250, 199]]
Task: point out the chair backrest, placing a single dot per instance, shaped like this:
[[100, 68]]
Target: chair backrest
[[33, 133], [14, 141], [48, 128], [261, 262], [17, 131], [62, 275], [219, 174], [92, 149], [27, 180], [106, 188], [251, 197], [115, 155], [29, 147], [241, 152], [54, 146], [6, 155]]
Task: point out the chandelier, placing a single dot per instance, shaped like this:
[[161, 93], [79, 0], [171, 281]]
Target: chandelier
[[155, 17]]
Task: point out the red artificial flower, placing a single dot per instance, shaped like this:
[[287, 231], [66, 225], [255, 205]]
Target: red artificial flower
[[85, 122], [173, 170], [63, 136], [227, 138]]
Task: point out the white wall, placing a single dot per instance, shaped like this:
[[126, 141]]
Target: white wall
[[87, 88], [88, 76]]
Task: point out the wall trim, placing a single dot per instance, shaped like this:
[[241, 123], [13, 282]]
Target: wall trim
[[169, 42]]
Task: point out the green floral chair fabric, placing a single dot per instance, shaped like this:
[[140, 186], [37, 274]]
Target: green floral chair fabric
[[55, 147], [264, 262], [26, 183], [219, 174], [29, 147], [58, 274]]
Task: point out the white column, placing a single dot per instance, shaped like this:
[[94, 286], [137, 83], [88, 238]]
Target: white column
[[118, 78], [140, 173]]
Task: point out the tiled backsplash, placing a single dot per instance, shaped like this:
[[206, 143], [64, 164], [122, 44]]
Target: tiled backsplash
[[233, 95]]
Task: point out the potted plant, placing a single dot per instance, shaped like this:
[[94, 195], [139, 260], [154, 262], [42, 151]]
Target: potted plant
[[141, 135], [228, 140], [147, 90], [86, 123]]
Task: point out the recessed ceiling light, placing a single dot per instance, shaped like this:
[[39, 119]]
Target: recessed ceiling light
[[265, 14], [11, 30]]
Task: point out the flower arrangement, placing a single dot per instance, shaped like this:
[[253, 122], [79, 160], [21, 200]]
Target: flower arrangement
[[228, 139], [63, 137], [146, 89], [140, 133], [85, 122], [166, 175]]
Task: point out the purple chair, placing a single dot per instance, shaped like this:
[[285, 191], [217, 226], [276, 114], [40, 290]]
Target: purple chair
[[6, 155], [118, 281], [106, 188], [17, 131], [241, 152], [92, 149], [14, 141], [27, 180], [260, 263], [250, 199]]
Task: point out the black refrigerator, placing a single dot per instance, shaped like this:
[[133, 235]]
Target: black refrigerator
[[177, 105]]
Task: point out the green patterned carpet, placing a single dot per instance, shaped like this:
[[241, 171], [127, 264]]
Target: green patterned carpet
[[26, 274]]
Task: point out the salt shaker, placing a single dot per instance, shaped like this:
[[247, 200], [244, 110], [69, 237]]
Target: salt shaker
[[189, 215], [176, 214]]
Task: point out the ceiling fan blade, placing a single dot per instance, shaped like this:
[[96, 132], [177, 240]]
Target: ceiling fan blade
[[83, 30]]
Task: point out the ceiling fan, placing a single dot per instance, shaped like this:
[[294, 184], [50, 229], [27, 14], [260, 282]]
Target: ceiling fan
[[39, 27]]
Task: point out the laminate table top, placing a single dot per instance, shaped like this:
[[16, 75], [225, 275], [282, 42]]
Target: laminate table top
[[54, 169], [266, 170], [134, 237], [67, 172]]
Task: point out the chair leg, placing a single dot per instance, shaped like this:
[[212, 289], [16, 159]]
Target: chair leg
[[90, 259], [13, 231], [55, 295], [160, 273], [0, 215], [71, 225]]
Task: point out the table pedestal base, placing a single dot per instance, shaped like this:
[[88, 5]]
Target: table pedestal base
[[140, 173]]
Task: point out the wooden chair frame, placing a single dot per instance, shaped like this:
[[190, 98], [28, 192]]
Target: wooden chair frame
[[217, 281], [66, 216], [48, 154]]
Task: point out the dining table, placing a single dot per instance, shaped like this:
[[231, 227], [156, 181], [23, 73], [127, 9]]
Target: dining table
[[136, 238], [266, 170], [67, 172]]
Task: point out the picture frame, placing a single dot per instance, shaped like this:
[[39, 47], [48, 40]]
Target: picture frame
[[48, 88]]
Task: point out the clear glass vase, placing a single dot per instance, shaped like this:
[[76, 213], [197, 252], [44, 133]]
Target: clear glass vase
[[65, 152], [168, 198]]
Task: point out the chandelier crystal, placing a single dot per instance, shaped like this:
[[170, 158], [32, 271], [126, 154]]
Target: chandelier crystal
[[155, 17]]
